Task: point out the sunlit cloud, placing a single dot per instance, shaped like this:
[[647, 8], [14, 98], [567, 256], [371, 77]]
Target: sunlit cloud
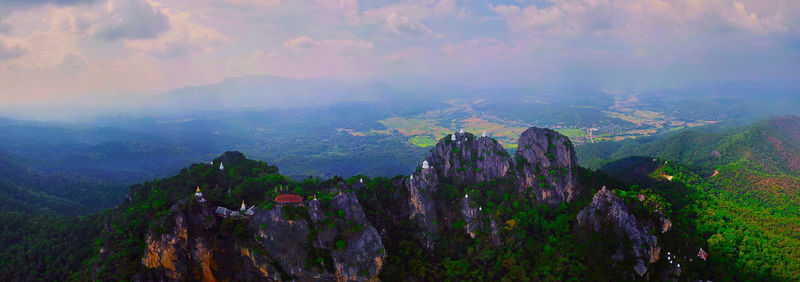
[[104, 48]]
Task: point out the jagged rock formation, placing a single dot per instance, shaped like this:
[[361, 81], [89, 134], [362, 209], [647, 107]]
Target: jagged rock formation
[[190, 243], [469, 159], [544, 172], [363, 252], [420, 206], [546, 165], [607, 213]]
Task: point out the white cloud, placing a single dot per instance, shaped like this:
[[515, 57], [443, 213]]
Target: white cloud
[[184, 38], [10, 51], [337, 45], [131, 19], [404, 26], [301, 42]]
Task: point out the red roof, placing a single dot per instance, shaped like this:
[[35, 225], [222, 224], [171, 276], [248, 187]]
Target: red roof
[[288, 198]]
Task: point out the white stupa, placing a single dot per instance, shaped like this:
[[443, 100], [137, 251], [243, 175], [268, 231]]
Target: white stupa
[[244, 208], [425, 164], [198, 193], [412, 177], [461, 131], [361, 180], [221, 166], [483, 134], [453, 138], [466, 196]]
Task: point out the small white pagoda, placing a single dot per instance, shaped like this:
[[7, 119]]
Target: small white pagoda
[[453, 138], [221, 166], [483, 134], [425, 164]]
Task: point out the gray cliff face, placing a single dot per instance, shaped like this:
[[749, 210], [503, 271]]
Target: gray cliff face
[[284, 240], [421, 208], [196, 246], [363, 252], [546, 165], [607, 212], [470, 159], [545, 169]]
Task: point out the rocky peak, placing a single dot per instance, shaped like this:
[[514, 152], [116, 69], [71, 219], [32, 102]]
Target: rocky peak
[[469, 158], [608, 213], [314, 241], [546, 165], [232, 157]]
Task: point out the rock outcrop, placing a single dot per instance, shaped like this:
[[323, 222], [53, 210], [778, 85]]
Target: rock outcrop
[[609, 213], [305, 243], [544, 171], [546, 165], [469, 159]]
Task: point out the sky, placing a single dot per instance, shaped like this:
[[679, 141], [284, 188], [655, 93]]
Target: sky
[[89, 50]]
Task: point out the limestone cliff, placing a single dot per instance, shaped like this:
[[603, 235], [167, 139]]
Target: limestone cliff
[[607, 213], [464, 157], [328, 241], [546, 165], [543, 170]]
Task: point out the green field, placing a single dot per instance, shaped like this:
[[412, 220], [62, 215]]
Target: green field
[[423, 141]]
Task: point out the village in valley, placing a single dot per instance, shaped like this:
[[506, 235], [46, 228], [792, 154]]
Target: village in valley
[[626, 118]]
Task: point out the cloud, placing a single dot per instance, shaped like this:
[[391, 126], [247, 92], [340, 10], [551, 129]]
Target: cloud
[[404, 26], [72, 62], [562, 18], [132, 19], [302, 42], [31, 3], [8, 51], [183, 38], [337, 45], [640, 18], [262, 3]]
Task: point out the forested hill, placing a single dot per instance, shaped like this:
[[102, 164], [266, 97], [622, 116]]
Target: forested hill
[[26, 190], [748, 183], [469, 211], [773, 145]]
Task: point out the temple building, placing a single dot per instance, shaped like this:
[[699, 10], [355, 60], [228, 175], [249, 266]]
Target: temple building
[[288, 199], [453, 138]]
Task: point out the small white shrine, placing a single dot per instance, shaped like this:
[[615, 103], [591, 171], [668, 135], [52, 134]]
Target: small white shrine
[[221, 166], [425, 164], [483, 134]]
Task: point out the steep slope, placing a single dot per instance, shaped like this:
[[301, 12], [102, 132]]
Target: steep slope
[[743, 189], [770, 144], [25, 190]]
